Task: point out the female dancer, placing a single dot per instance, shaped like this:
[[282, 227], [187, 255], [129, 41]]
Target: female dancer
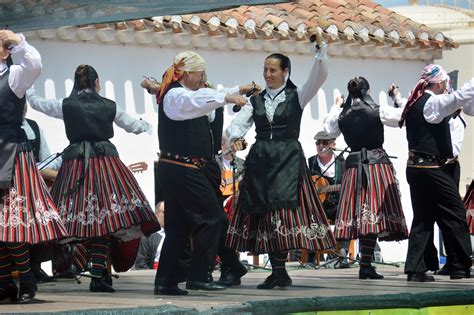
[[96, 194], [27, 212], [277, 208], [370, 203]]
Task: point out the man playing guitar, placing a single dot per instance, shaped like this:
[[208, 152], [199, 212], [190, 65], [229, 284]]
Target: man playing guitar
[[327, 170]]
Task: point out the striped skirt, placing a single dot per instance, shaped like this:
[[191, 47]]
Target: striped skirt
[[107, 202], [27, 212], [370, 205], [281, 230]]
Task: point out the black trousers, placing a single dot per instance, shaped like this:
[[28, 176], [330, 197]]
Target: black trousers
[[435, 198], [192, 209], [454, 170], [431, 254], [228, 256]]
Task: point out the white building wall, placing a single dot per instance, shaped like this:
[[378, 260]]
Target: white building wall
[[121, 68]]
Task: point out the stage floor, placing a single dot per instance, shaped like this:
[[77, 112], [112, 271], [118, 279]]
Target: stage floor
[[324, 289]]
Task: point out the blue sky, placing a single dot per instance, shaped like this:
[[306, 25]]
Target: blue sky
[[395, 3]]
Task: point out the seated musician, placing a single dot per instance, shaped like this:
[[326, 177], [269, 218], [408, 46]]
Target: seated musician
[[327, 170], [229, 162]]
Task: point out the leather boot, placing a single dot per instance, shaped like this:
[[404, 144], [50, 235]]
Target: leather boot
[[27, 291], [231, 276], [369, 273], [279, 277], [100, 285]]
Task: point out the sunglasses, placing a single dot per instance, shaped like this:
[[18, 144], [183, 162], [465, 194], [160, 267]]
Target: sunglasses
[[324, 142]]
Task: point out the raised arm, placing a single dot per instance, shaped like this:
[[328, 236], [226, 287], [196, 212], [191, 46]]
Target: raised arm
[[317, 76], [130, 124], [468, 108], [24, 74], [440, 106], [331, 121], [52, 108], [183, 104]]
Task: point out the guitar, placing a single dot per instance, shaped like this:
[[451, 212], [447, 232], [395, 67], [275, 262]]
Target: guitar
[[227, 184], [138, 167], [322, 186]]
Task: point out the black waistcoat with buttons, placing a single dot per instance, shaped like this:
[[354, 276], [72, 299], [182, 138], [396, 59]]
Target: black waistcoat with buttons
[[190, 137], [424, 137], [275, 164]]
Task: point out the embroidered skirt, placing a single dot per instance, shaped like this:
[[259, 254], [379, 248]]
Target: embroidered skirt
[[285, 229], [370, 204], [27, 212], [108, 200]]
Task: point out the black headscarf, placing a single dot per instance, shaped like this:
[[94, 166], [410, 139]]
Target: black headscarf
[[91, 76], [358, 88]]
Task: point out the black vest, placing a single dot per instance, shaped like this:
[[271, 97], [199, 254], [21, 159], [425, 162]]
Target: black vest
[[361, 126], [423, 137], [286, 119], [11, 112], [12, 136], [190, 137], [88, 117], [275, 165], [315, 169], [36, 142]]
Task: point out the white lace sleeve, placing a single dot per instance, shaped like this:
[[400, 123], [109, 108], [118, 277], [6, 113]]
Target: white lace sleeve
[[241, 123]]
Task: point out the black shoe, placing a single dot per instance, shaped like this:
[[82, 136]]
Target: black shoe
[[10, 291], [41, 276], [227, 279], [231, 277], [274, 280], [27, 291], [369, 273], [172, 290], [206, 286], [455, 274], [100, 285], [419, 277]]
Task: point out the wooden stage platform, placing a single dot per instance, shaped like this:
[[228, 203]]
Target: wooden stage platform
[[324, 290]]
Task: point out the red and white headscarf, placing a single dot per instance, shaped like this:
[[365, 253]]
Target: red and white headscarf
[[187, 61], [431, 74]]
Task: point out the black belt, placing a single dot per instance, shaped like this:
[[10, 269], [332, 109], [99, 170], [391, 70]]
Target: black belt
[[423, 160], [364, 156], [198, 162]]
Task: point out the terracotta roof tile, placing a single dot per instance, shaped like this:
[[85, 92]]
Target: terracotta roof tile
[[364, 21]]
